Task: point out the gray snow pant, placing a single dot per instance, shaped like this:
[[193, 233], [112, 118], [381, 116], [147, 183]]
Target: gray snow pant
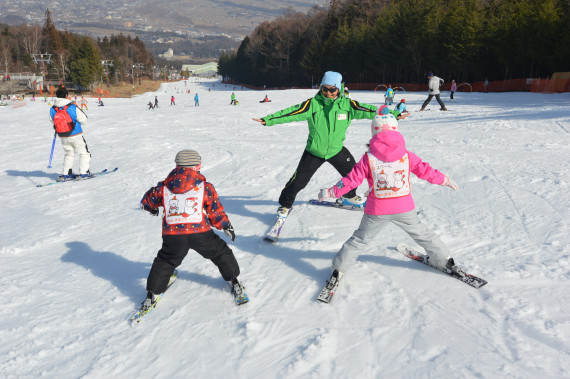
[[371, 225], [441, 104]]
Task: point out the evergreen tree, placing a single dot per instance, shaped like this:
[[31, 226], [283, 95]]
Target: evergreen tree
[[85, 64], [52, 42]]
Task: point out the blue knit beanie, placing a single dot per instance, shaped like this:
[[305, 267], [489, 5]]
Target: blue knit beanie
[[332, 78]]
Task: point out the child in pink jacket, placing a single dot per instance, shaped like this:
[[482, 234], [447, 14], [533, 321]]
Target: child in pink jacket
[[387, 167]]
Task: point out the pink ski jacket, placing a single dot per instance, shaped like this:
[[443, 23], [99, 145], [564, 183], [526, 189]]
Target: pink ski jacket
[[388, 146]]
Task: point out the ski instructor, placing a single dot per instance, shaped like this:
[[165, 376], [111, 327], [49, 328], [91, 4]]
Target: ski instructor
[[328, 115]]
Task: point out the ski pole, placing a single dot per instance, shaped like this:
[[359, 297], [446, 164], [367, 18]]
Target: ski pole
[[52, 147]]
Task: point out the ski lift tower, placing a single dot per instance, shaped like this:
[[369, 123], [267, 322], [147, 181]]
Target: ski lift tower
[[139, 66], [107, 64], [43, 59], [155, 71]]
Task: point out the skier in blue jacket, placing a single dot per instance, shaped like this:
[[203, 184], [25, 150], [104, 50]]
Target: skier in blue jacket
[[389, 95], [73, 142]]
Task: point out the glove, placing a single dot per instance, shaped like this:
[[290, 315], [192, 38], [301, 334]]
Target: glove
[[450, 183], [229, 231], [153, 212], [326, 193]]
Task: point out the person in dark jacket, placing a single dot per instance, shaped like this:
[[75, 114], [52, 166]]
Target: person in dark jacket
[[191, 208]]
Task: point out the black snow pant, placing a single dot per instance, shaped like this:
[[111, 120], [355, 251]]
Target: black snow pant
[[174, 249], [343, 162], [441, 104]]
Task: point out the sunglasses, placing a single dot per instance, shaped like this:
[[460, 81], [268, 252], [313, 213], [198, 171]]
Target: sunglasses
[[329, 89]]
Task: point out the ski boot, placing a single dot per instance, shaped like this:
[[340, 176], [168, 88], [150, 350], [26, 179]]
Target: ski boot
[[150, 302], [86, 175], [240, 297], [65, 178], [283, 211], [453, 269], [356, 201]]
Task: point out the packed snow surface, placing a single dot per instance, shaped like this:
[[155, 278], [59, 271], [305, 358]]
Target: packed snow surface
[[74, 257]]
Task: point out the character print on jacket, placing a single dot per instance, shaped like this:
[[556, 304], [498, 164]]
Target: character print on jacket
[[191, 206], [173, 207], [391, 179]]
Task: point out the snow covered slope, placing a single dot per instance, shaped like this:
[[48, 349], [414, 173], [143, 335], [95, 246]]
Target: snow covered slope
[[74, 257]]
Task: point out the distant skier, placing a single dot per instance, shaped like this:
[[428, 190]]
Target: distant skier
[[156, 102], [83, 103], [172, 101], [265, 100], [233, 98], [188, 225], [196, 100], [68, 121], [387, 167], [389, 95], [434, 84], [328, 115], [452, 89]]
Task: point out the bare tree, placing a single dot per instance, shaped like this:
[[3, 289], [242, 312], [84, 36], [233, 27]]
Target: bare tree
[[5, 55], [30, 37], [62, 59]]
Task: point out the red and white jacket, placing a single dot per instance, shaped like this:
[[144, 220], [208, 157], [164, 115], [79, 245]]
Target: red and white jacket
[[200, 210]]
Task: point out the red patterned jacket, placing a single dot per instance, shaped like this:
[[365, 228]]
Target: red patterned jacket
[[181, 180]]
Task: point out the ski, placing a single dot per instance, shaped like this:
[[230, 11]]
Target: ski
[[326, 294], [412, 253], [334, 204], [273, 234], [78, 178], [240, 297], [142, 312]]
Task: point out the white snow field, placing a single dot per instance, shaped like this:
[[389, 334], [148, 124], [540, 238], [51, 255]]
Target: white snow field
[[74, 257]]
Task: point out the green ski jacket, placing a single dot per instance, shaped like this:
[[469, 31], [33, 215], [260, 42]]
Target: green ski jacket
[[328, 120]]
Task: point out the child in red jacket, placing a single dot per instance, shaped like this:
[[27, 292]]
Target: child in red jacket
[[191, 207]]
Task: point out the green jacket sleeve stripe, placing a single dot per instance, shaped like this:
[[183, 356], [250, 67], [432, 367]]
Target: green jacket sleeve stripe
[[304, 107], [356, 106]]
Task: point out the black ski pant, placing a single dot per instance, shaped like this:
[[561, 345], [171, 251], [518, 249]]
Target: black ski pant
[[174, 249], [343, 162], [441, 104]]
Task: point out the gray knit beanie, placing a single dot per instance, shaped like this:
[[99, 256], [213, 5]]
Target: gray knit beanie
[[187, 158]]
